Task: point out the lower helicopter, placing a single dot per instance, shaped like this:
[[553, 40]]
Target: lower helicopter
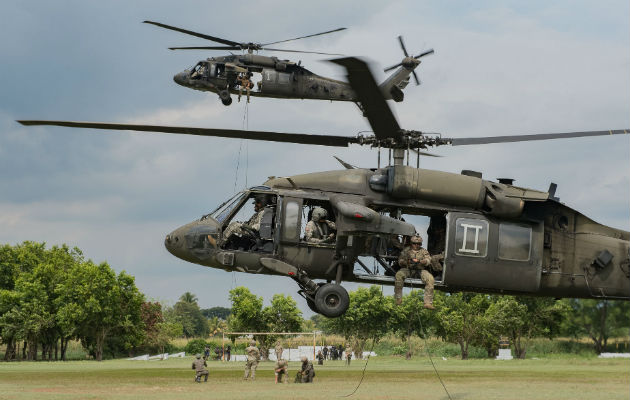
[[486, 236]]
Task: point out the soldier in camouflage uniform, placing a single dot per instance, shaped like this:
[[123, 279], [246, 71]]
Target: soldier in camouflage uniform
[[279, 350], [199, 366], [415, 262], [282, 370], [319, 229], [237, 228], [253, 356], [307, 373]]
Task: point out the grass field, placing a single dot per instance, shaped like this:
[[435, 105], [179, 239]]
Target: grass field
[[385, 378]]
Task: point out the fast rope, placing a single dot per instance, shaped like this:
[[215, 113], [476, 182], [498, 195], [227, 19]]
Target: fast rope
[[363, 373]]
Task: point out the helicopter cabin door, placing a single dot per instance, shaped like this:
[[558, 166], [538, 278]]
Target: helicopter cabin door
[[277, 83], [494, 254]]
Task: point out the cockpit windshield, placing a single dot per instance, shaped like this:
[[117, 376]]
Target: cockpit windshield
[[224, 210], [199, 71]]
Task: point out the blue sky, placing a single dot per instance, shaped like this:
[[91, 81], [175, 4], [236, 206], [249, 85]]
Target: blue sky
[[500, 67]]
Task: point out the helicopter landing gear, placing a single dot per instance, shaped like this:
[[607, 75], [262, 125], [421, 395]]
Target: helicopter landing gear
[[332, 300], [329, 299], [225, 97]]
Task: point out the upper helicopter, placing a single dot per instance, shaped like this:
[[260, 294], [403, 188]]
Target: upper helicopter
[[276, 78], [490, 237]]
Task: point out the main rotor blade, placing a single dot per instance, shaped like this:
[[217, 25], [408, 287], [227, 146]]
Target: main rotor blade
[[200, 35], [415, 76], [300, 51], [424, 153], [307, 36], [402, 45], [376, 109], [425, 53], [301, 138], [205, 48], [543, 136]]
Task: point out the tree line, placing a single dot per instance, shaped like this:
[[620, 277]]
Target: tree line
[[49, 297]]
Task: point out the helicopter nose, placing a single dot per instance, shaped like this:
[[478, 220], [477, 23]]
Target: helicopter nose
[[174, 242], [194, 239], [180, 78]]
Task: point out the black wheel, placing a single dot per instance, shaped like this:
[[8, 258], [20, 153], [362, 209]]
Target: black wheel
[[227, 102], [332, 300]]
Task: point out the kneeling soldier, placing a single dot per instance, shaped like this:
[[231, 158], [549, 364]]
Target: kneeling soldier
[[199, 366], [307, 373]]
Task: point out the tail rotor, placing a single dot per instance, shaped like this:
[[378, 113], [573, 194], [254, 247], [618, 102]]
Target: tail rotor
[[410, 61]]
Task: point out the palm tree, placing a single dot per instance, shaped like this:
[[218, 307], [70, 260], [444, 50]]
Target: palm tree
[[188, 298]]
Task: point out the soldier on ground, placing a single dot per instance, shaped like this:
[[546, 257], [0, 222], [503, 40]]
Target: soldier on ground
[[279, 350], [307, 373], [282, 370], [253, 356], [199, 366], [325, 351], [228, 353], [206, 352], [319, 229], [348, 355], [320, 358], [415, 262]]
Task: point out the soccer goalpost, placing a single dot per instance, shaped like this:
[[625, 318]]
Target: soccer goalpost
[[314, 333]]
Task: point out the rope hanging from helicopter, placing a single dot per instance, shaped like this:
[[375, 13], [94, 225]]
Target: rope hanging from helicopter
[[426, 348]]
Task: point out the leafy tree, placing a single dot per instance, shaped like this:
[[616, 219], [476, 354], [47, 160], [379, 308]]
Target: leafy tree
[[248, 315], [219, 312], [96, 303], [411, 318], [367, 318], [526, 317], [167, 331], [461, 317], [187, 313], [598, 319]]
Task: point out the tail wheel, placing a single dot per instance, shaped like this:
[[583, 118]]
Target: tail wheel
[[332, 300]]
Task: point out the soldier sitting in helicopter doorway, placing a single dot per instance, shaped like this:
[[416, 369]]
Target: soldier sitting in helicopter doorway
[[319, 229], [244, 81], [415, 262], [244, 234]]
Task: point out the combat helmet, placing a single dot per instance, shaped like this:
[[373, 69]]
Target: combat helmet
[[252, 343], [198, 356], [319, 214], [416, 239]]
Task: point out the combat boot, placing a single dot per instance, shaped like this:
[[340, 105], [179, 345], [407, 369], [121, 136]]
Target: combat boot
[[429, 307]]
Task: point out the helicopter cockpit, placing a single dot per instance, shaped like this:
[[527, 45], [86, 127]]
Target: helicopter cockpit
[[247, 221]]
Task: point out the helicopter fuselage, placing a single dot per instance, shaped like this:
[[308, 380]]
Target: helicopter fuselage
[[495, 237]]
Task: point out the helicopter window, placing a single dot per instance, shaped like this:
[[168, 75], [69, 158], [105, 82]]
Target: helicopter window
[[471, 237], [224, 210], [514, 242], [291, 214], [283, 77], [199, 71]]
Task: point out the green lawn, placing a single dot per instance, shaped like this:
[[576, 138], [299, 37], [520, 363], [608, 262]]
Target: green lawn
[[386, 378]]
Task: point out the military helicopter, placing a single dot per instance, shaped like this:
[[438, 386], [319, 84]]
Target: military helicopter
[[495, 237], [282, 79]]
